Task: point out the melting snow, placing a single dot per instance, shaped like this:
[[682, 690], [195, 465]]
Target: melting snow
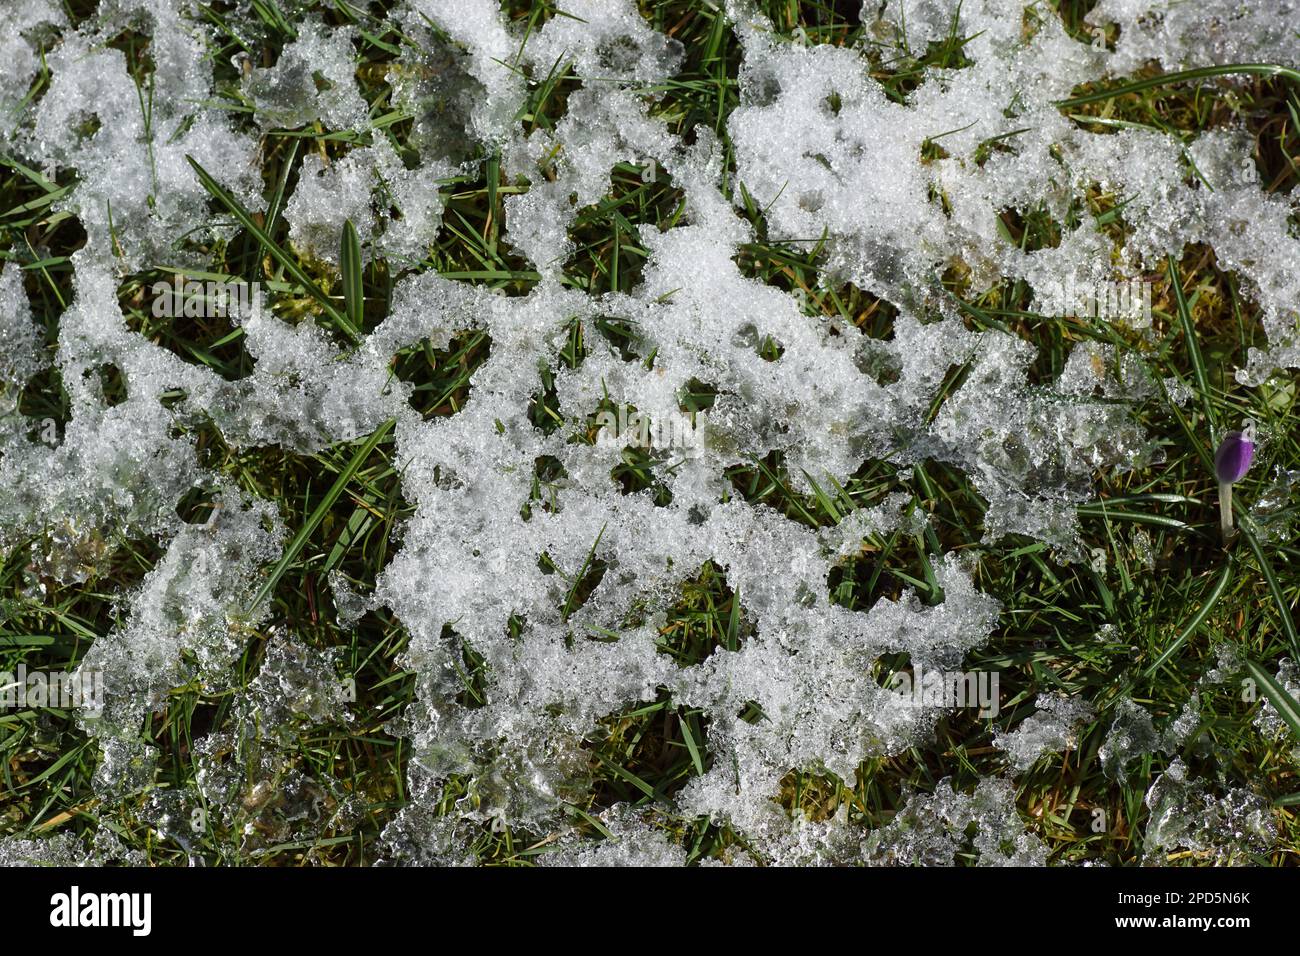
[[831, 159]]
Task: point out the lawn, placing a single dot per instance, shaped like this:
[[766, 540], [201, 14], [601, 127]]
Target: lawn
[[368, 586]]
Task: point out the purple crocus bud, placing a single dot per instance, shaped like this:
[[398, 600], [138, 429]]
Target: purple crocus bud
[[1232, 460]]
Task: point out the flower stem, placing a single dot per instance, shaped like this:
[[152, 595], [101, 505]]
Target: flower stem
[[1225, 510]]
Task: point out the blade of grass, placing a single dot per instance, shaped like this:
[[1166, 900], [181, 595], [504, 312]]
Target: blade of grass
[[1134, 517], [1274, 587], [629, 776], [1283, 702], [600, 827], [1193, 349], [823, 499], [317, 515], [577, 581], [290, 265], [733, 622], [276, 206], [1194, 624], [692, 747], [350, 265], [1201, 73]]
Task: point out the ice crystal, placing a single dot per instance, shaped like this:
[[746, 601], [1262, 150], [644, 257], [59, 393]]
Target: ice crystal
[[1187, 816], [934, 830], [1052, 728]]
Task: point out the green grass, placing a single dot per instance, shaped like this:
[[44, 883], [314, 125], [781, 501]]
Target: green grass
[[343, 506]]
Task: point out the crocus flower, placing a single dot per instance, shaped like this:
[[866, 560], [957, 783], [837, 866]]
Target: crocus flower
[[1231, 462]]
